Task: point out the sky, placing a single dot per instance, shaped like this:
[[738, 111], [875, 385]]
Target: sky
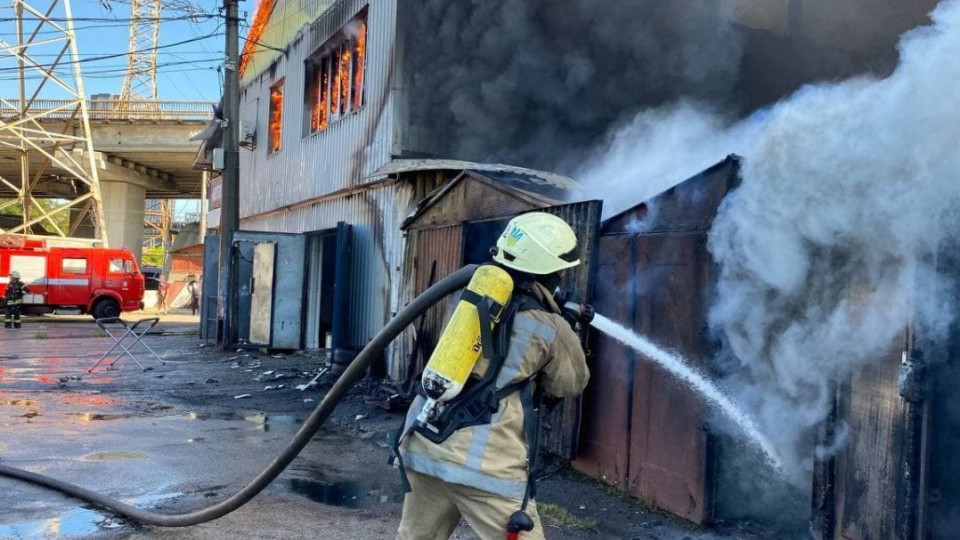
[[186, 71]]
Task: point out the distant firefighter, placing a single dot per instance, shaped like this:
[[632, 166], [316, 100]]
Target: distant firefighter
[[13, 298]]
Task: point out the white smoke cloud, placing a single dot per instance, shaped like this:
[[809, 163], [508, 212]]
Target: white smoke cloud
[[660, 148], [826, 250]]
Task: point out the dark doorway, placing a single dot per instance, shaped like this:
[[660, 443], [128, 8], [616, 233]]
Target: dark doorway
[[328, 276]]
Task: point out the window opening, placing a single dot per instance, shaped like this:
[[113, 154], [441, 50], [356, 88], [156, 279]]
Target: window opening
[[275, 131], [336, 75]]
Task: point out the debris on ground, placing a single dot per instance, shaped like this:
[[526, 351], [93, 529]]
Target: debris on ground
[[388, 397], [313, 382], [241, 396]]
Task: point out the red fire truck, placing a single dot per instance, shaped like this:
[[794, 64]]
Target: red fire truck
[[98, 281]]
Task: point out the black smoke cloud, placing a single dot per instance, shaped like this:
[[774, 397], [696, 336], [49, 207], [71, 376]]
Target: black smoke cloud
[[537, 82]]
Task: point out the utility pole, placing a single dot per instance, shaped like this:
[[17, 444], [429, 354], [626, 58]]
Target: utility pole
[[230, 208], [204, 182]]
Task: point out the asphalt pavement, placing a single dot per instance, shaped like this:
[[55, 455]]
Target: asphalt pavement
[[198, 424]]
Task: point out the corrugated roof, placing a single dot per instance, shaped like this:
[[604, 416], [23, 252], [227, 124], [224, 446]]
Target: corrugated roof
[[507, 183], [495, 171]]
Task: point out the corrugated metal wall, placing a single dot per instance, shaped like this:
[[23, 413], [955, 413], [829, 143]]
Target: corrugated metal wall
[[437, 235], [317, 180], [378, 245], [872, 470], [433, 253], [347, 152]]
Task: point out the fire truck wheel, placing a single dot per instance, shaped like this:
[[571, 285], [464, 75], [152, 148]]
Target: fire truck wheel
[[105, 308]]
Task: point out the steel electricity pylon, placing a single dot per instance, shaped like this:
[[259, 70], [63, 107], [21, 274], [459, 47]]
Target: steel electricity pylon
[[46, 130], [140, 82]]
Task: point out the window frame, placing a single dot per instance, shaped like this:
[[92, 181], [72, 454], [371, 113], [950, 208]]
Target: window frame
[[322, 77], [275, 113]]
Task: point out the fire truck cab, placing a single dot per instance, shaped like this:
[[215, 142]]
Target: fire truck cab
[[98, 281]]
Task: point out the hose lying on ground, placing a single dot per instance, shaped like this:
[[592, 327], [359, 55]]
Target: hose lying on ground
[[354, 373]]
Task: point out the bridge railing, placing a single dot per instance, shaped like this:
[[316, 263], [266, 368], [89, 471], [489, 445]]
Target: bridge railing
[[105, 110]]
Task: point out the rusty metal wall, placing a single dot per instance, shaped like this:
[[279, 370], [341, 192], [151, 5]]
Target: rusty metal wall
[[668, 445], [436, 233], [644, 431], [347, 152], [432, 254], [604, 448]]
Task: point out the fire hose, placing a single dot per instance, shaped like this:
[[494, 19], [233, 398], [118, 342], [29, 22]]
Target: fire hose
[[353, 374]]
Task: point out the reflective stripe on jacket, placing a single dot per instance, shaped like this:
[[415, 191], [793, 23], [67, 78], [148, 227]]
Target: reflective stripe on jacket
[[493, 457]]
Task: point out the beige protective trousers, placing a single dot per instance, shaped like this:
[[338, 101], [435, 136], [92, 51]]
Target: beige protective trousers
[[432, 510]]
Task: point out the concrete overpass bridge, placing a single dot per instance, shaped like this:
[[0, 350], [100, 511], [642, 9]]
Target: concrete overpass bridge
[[141, 151]]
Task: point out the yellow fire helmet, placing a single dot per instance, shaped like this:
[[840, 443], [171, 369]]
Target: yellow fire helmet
[[537, 243]]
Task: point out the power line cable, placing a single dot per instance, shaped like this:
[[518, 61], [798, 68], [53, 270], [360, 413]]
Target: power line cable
[[124, 54], [113, 24], [115, 19], [120, 71]]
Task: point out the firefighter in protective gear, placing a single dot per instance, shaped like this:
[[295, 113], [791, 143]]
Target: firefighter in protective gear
[[481, 472], [13, 298]]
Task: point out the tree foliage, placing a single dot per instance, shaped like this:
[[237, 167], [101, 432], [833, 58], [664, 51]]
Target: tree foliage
[[152, 257]]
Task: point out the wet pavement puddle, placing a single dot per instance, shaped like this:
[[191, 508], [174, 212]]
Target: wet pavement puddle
[[345, 494], [261, 421], [111, 456], [79, 522], [95, 417]]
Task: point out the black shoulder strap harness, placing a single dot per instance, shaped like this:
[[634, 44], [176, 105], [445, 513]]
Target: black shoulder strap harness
[[480, 399]]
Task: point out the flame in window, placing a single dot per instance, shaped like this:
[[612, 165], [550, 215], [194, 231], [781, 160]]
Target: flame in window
[[276, 117], [338, 75], [321, 94], [335, 88], [359, 66], [345, 56]]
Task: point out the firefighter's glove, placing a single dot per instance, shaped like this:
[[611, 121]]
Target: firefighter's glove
[[586, 314], [578, 315]]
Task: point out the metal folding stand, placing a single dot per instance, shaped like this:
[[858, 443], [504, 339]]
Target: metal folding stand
[[135, 331]]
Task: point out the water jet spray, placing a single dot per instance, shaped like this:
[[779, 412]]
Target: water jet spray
[[682, 370]]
